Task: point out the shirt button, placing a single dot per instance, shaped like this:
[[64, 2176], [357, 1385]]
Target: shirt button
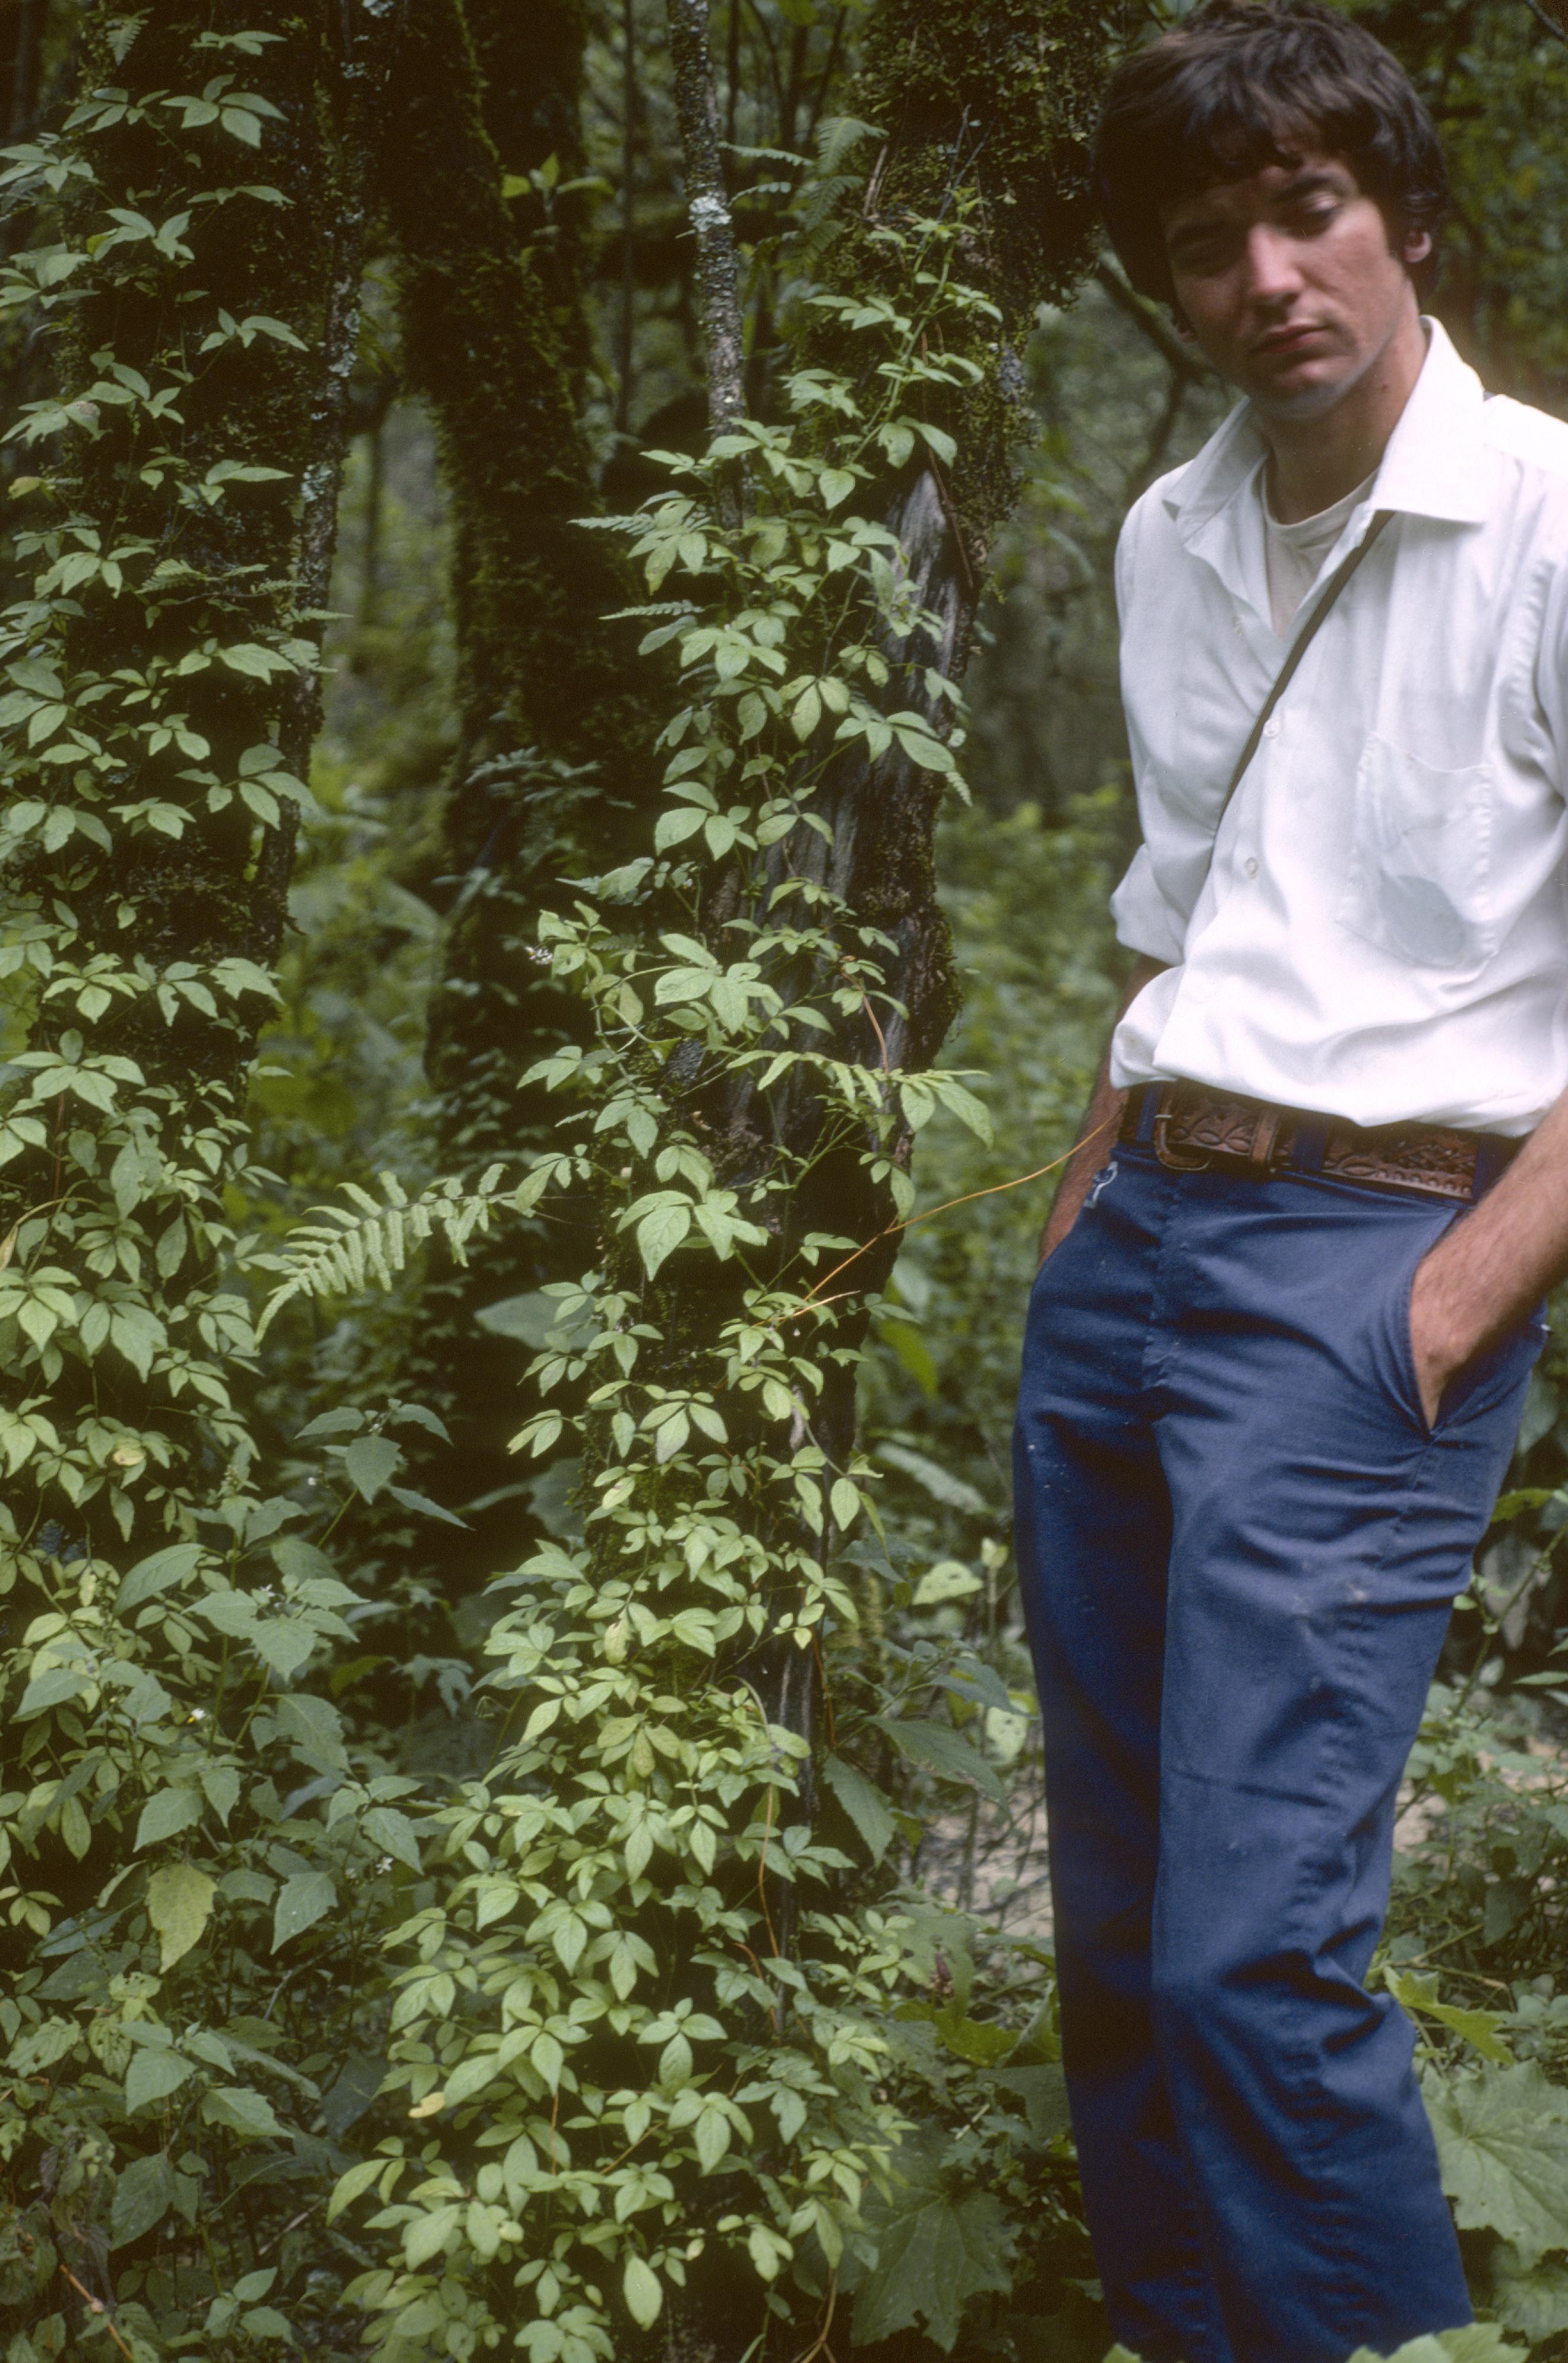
[[1272, 726], [1252, 870]]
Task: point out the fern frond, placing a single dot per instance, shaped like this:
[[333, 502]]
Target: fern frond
[[347, 1246]]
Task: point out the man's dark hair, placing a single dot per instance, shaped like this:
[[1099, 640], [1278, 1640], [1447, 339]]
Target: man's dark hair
[[1244, 83]]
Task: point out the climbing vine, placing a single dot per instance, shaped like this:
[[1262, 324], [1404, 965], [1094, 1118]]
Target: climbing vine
[[639, 2028]]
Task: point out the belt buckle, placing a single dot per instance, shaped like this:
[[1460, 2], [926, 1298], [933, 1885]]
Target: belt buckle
[[1166, 1153]]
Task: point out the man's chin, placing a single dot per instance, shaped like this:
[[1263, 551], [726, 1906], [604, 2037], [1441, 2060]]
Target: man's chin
[[1306, 391]]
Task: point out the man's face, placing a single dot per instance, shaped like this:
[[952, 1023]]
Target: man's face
[[1288, 282]]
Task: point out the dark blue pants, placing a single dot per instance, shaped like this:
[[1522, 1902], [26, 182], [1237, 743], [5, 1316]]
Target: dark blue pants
[[1238, 1541]]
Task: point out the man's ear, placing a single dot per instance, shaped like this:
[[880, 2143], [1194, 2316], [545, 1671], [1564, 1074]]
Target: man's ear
[[1417, 247]]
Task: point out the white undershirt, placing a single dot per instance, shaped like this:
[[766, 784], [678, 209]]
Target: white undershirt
[[1296, 553]]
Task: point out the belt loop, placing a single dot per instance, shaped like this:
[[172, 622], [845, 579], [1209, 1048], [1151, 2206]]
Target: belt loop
[[1148, 1109], [1493, 1155], [1265, 1134], [1309, 1142]]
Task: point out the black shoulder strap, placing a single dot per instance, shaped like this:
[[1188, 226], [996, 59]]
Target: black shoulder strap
[[1335, 585]]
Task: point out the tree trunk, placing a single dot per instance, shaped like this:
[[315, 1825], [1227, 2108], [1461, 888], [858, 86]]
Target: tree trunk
[[149, 868], [531, 90], [549, 714], [984, 112], [708, 207]]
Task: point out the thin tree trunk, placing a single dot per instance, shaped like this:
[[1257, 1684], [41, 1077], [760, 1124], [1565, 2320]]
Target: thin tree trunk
[[627, 325], [718, 267], [368, 611]]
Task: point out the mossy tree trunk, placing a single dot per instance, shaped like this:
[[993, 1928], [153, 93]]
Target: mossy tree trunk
[[983, 109], [148, 827], [549, 748]]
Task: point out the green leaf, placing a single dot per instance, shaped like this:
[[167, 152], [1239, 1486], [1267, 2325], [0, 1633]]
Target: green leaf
[[150, 1576], [153, 2075], [51, 1688], [938, 1748], [302, 1902], [1533, 2302], [1043, 2092], [978, 2040], [265, 2322], [1502, 2139], [660, 1232], [370, 1463], [643, 2290], [144, 2194], [394, 1833], [242, 2110], [934, 2252], [283, 1643], [351, 2185], [428, 2234], [165, 1815], [953, 1493], [316, 1727], [1477, 2027], [220, 1785], [863, 1803], [949, 1580], [179, 1904]]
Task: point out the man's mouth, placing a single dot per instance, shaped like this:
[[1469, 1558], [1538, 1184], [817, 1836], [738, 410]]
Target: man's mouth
[[1281, 343]]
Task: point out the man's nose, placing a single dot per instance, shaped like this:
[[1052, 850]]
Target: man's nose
[[1274, 273]]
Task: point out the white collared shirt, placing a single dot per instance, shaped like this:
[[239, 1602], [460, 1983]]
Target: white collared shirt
[[1384, 932]]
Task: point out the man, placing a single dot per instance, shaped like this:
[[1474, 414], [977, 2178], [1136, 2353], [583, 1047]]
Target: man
[[1284, 1322]]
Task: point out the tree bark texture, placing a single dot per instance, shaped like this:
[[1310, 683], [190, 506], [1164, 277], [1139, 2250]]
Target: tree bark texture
[[207, 499], [532, 82], [984, 112], [992, 103], [356, 97], [551, 745], [203, 898], [707, 205]]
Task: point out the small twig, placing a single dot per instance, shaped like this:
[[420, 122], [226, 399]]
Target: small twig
[[100, 2309], [762, 1867], [1558, 32], [873, 186], [1183, 357], [881, 1037], [1420, 1961], [994, 1190], [820, 2344], [949, 510]]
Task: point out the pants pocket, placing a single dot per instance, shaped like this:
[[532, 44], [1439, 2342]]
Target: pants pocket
[[1482, 1383]]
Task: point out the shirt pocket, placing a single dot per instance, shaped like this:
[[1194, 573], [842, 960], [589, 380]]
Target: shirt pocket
[[1420, 884]]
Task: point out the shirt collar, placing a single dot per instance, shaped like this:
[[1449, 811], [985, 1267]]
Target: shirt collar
[[1434, 466]]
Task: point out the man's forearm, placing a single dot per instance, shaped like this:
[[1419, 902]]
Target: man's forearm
[[1485, 1275], [1099, 1128]]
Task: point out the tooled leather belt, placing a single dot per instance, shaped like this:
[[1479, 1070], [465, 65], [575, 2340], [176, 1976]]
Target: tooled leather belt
[[1191, 1128]]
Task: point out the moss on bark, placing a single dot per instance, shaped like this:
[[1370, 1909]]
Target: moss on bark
[[550, 711]]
